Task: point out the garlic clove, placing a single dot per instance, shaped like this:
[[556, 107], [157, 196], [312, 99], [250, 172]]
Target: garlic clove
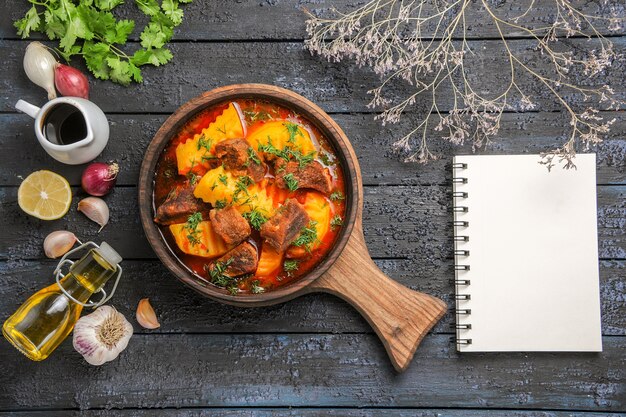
[[95, 209], [146, 316], [39, 65], [58, 243], [101, 335]]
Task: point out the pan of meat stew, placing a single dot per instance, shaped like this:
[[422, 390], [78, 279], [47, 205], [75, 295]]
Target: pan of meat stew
[[251, 195]]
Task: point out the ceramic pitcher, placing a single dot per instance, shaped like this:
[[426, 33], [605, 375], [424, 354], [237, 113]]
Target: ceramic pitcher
[[82, 150]]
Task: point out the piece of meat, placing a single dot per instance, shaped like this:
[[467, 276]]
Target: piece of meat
[[179, 205], [230, 225], [237, 155], [285, 225], [313, 175], [239, 261]]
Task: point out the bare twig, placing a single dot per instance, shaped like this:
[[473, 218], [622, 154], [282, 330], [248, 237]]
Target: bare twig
[[418, 41]]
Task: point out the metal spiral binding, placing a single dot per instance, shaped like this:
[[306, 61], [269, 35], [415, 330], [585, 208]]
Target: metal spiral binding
[[461, 282]]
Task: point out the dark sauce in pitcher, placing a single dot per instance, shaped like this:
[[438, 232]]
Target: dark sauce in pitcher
[[64, 124]]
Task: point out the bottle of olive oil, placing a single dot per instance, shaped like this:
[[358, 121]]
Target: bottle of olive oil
[[48, 316]]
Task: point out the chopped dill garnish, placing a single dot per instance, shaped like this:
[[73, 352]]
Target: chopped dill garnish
[[241, 186], [336, 222], [303, 160], [336, 196], [325, 158], [308, 235], [254, 116], [291, 182], [252, 156], [191, 226], [290, 265], [218, 275], [205, 143], [223, 179], [222, 130], [256, 218], [271, 149], [294, 130], [220, 204], [192, 177], [255, 287]]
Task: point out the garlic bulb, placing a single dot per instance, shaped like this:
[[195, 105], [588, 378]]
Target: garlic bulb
[[39, 65], [95, 209], [58, 243], [102, 335]]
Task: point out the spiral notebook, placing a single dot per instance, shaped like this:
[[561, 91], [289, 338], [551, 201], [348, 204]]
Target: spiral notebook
[[526, 255]]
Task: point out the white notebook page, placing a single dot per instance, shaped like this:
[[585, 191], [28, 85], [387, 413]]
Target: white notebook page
[[533, 255]]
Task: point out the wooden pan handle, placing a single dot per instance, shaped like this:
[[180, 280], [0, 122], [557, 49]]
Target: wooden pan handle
[[400, 316]]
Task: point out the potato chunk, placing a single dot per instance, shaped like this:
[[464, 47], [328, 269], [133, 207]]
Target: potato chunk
[[195, 154], [207, 243]]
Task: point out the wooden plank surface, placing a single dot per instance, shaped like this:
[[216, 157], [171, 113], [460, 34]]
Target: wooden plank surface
[[399, 222], [314, 351], [181, 310], [306, 412], [347, 370], [336, 87], [255, 19], [130, 135]]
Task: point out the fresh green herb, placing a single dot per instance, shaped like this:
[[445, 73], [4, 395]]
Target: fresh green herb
[[303, 160], [204, 142], [252, 156], [271, 149], [90, 30], [222, 130], [191, 226], [325, 158], [255, 287], [218, 275], [220, 204], [169, 173], [294, 130], [223, 179], [287, 153], [243, 183], [336, 196], [308, 235], [290, 265], [254, 116], [193, 178], [291, 182], [336, 222], [255, 218]]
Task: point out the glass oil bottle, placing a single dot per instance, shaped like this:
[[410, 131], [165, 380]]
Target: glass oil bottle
[[38, 327]]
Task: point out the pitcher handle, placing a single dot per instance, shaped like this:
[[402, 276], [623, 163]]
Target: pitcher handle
[[27, 108]]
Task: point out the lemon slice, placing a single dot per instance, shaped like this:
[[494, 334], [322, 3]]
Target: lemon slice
[[45, 195]]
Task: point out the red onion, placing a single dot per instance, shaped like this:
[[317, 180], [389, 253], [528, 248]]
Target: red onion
[[99, 178], [71, 82]]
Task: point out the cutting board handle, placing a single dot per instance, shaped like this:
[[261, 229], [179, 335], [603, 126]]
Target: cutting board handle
[[400, 316]]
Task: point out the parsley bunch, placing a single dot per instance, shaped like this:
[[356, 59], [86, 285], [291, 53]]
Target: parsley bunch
[[88, 28]]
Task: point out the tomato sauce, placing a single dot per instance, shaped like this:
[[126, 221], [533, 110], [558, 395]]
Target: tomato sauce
[[256, 113]]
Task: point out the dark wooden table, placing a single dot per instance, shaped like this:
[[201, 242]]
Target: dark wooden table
[[315, 355]]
